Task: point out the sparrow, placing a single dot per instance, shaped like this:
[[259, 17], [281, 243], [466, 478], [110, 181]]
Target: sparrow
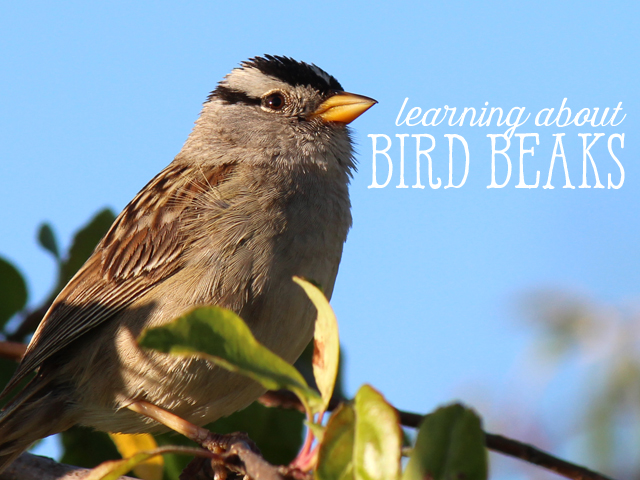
[[258, 194]]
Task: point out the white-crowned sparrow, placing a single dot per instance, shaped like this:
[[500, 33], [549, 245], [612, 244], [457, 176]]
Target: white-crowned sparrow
[[257, 195]]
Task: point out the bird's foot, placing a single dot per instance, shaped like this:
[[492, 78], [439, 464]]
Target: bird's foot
[[206, 469], [222, 443], [228, 446]]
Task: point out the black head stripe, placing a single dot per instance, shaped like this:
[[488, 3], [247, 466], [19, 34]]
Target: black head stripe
[[293, 72], [229, 95], [284, 69]]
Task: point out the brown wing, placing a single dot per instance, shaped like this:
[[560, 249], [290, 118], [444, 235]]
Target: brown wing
[[143, 247]]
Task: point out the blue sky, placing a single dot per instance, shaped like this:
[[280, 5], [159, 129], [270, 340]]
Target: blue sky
[[97, 97]]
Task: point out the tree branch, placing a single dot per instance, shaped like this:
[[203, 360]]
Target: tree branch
[[12, 350], [34, 467], [531, 454]]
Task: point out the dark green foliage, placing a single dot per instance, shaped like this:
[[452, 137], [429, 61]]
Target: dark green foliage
[[450, 445], [13, 291], [47, 240], [7, 368], [87, 448]]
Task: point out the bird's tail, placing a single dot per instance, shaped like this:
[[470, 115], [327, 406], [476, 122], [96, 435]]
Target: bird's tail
[[34, 413]]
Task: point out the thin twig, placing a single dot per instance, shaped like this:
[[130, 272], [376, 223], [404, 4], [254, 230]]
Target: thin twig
[[533, 455], [12, 350]]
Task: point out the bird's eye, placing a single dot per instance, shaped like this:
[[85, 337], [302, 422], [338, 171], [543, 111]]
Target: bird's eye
[[275, 101]]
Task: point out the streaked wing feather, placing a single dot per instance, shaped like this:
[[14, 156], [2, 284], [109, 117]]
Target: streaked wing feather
[[143, 247]]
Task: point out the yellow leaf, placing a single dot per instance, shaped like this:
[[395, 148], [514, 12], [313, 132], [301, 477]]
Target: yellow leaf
[[326, 344], [130, 445], [114, 469]]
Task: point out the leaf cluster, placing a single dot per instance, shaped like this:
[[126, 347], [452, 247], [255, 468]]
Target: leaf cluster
[[361, 439]]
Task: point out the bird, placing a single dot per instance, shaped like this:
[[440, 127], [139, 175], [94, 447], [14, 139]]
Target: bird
[[258, 193]]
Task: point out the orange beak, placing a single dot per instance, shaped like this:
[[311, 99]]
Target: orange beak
[[343, 107]]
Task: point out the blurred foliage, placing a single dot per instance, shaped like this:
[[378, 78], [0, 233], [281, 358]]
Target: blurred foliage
[[13, 291], [602, 342], [450, 444], [7, 367]]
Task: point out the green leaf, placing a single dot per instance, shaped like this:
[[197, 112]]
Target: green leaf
[[378, 439], [326, 352], [84, 242], [47, 240], [114, 469], [221, 336], [13, 291], [335, 455], [450, 445]]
